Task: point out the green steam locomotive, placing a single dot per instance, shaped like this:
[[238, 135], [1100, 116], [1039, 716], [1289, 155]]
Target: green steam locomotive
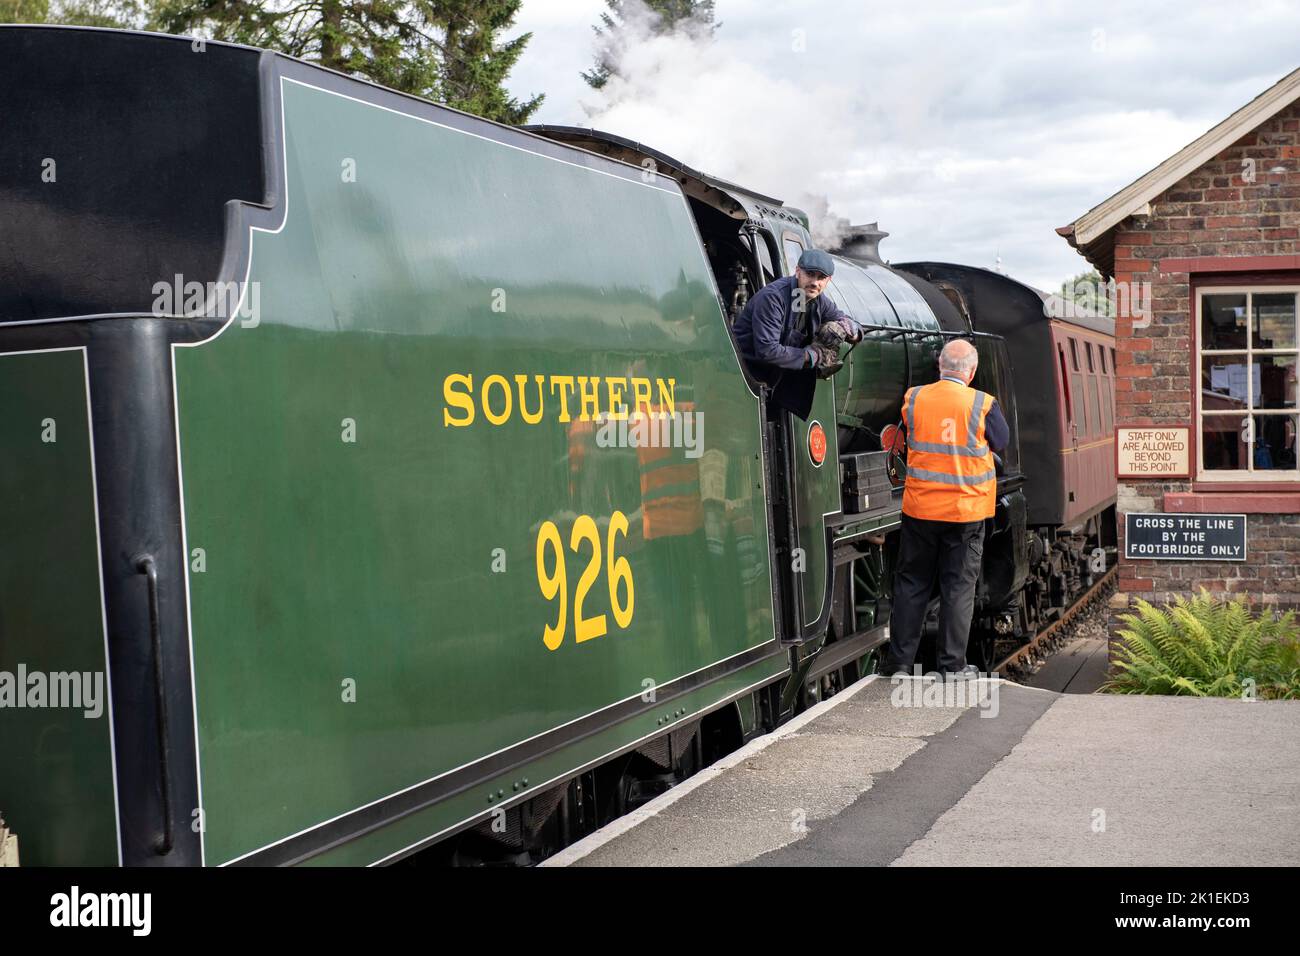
[[396, 471]]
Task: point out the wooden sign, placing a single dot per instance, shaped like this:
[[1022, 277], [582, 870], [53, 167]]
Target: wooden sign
[[1152, 452]]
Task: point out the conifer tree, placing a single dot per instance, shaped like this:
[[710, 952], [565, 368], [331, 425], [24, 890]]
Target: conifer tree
[[449, 51], [667, 16]]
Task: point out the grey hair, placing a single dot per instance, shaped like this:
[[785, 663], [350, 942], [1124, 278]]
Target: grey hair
[[958, 356]]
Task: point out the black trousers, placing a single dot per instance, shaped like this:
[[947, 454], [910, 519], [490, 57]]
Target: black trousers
[[952, 551]]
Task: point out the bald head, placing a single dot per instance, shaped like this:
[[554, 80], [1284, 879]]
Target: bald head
[[960, 359]]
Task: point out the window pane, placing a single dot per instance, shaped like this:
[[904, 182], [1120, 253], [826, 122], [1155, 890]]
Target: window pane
[[1106, 398], [1093, 415], [1074, 355], [1223, 321], [1065, 387], [1277, 380], [1222, 444], [1275, 442], [793, 251], [1223, 382], [764, 259], [1076, 386], [1274, 320], [1101, 353], [1090, 368]]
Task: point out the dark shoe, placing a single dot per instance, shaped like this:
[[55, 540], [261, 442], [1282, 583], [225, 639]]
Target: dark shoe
[[886, 669], [969, 672]]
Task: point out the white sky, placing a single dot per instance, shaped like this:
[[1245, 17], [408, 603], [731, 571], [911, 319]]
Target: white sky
[[970, 129]]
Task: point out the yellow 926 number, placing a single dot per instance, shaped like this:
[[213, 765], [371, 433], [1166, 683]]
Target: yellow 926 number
[[555, 583]]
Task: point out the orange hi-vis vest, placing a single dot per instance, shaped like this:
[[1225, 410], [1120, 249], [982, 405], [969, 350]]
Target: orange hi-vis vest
[[950, 472]]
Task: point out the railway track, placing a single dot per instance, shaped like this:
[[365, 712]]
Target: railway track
[[1046, 641]]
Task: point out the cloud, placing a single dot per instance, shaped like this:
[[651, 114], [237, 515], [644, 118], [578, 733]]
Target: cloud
[[968, 129]]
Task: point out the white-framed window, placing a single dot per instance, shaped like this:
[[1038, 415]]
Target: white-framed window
[[793, 249], [1247, 347]]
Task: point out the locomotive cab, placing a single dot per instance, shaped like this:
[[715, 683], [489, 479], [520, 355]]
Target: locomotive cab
[[750, 240]]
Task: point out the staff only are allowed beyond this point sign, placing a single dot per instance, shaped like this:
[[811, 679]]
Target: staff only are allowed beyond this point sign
[[1152, 452], [1184, 537]]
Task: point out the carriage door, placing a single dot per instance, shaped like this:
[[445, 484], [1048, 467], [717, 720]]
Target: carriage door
[[1070, 395]]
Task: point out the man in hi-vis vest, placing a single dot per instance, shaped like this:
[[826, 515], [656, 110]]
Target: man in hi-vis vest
[[952, 432]]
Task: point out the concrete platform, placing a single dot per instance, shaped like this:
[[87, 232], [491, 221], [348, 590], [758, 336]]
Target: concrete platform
[[998, 774]]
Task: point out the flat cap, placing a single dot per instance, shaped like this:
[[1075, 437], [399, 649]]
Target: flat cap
[[814, 260]]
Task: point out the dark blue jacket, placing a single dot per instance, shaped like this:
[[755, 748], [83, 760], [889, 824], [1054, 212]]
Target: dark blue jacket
[[773, 338], [996, 429], [771, 333]]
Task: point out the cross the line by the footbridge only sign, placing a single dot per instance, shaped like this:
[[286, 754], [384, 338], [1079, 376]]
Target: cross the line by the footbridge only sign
[[1185, 537]]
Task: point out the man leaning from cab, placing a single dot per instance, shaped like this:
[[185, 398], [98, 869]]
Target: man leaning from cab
[[789, 324], [952, 431]]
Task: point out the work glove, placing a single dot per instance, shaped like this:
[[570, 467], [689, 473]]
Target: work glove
[[826, 360], [836, 333]]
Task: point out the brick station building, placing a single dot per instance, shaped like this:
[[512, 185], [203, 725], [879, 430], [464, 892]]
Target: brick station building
[[1209, 360]]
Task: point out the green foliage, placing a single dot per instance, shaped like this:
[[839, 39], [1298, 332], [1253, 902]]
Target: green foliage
[[372, 38], [442, 50], [448, 51], [128, 14], [24, 11], [474, 66], [1089, 291], [1206, 647], [667, 15]]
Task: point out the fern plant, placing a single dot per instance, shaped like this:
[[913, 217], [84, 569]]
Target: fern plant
[[1205, 647]]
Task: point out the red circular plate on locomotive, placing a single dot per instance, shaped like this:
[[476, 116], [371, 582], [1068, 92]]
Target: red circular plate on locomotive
[[816, 443]]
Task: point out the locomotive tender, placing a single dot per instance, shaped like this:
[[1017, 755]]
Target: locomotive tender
[[308, 388]]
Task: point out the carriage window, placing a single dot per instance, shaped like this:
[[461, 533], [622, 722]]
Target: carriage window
[[1101, 354], [1084, 421], [1247, 360], [1094, 403], [1090, 368], [1107, 398], [1074, 355], [1065, 388]]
